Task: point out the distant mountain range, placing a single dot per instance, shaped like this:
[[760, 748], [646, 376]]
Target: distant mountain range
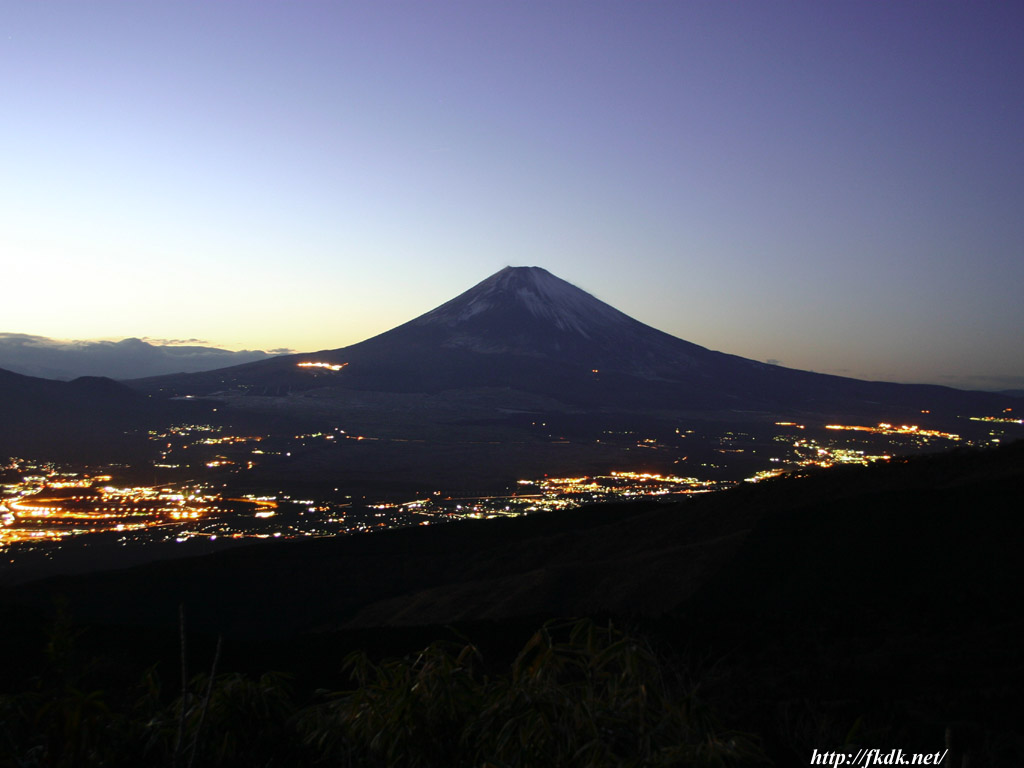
[[533, 337], [126, 359]]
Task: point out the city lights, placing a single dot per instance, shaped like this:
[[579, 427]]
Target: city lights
[[43, 504]]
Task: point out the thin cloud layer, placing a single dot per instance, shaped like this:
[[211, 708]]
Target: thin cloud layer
[[126, 359]]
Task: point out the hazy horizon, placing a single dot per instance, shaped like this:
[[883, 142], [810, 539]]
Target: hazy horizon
[[39, 356]]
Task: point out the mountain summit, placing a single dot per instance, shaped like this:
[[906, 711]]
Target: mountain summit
[[527, 331], [527, 311], [545, 298]]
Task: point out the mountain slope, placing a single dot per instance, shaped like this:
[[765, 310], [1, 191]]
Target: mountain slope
[[526, 330]]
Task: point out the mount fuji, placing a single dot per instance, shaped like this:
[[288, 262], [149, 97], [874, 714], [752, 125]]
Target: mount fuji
[[526, 332]]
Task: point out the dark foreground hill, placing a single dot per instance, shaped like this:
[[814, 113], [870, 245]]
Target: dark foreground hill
[[89, 419], [932, 530], [884, 600]]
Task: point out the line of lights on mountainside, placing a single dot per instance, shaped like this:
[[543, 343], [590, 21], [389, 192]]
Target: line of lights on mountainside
[[46, 502], [327, 366]]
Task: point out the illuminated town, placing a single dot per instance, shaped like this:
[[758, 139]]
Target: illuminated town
[[195, 487]]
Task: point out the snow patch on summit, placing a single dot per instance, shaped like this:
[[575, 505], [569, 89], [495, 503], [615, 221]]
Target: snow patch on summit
[[540, 293], [563, 314]]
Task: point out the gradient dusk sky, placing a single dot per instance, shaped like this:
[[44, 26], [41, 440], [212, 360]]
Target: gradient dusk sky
[[838, 186]]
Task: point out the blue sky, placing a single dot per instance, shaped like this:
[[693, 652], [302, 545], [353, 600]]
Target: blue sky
[[837, 186]]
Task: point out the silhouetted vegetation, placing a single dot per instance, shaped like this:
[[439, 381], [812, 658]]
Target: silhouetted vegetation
[[577, 694]]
